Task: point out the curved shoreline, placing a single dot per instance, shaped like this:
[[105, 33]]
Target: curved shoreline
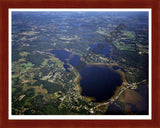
[[79, 88], [122, 74]]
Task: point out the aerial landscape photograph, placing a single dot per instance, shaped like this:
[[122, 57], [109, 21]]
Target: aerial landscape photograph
[[79, 62]]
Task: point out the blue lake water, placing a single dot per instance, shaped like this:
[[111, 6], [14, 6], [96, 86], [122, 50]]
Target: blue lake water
[[116, 68], [105, 50], [74, 60], [66, 57], [99, 81], [61, 54]]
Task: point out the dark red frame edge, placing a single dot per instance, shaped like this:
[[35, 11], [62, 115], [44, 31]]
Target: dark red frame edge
[[6, 4]]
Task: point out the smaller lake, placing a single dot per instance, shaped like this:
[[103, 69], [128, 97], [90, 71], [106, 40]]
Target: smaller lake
[[67, 58], [63, 55], [74, 60], [99, 81], [106, 50], [116, 68]]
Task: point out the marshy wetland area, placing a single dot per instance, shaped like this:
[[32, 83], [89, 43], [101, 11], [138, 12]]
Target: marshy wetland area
[[62, 63]]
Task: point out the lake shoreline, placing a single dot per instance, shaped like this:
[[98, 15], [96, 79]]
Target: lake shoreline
[[121, 73]]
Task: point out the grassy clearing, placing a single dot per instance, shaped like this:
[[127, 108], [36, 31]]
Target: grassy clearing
[[54, 60], [40, 90], [131, 97], [129, 34], [23, 54]]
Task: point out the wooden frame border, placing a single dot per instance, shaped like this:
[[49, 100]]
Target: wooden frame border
[[6, 4]]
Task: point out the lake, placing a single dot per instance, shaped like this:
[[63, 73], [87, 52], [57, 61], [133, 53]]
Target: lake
[[106, 50], [63, 55], [99, 81], [96, 80], [67, 58], [116, 68]]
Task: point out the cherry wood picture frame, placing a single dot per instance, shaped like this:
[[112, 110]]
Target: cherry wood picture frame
[[107, 4]]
